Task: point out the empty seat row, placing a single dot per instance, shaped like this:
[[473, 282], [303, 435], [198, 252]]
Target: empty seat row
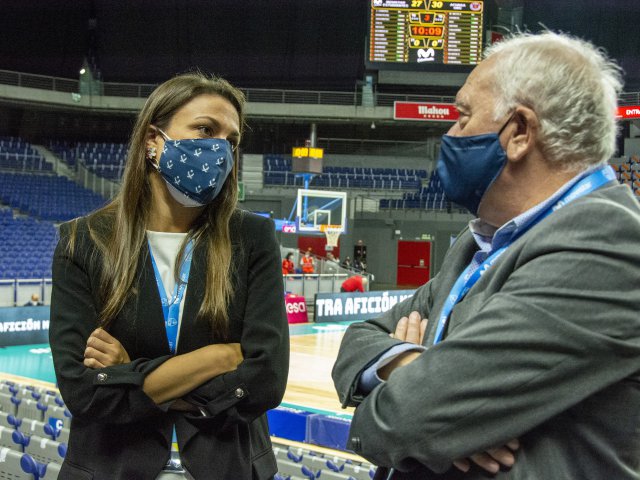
[[34, 409], [337, 182], [95, 156], [47, 197], [28, 426], [20, 391], [26, 247], [14, 142], [303, 463], [15, 465]]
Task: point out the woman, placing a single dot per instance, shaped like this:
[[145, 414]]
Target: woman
[[288, 266], [166, 314], [307, 263]]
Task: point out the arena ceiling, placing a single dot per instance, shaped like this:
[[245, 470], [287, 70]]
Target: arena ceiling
[[297, 44], [283, 44]]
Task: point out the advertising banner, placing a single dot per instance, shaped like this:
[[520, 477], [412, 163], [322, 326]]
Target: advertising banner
[[296, 309], [357, 306], [628, 112], [429, 112], [24, 325]]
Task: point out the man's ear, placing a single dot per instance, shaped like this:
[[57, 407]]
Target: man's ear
[[523, 138]]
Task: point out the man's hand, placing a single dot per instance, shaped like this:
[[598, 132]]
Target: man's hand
[[492, 459], [409, 329], [412, 329], [104, 350]]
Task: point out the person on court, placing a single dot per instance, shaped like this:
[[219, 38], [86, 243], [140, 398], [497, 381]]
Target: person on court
[[168, 330], [521, 357], [355, 283]]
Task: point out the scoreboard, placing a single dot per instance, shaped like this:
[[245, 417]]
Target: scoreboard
[[425, 32]]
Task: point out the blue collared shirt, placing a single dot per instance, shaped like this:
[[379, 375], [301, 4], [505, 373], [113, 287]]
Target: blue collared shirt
[[488, 239]]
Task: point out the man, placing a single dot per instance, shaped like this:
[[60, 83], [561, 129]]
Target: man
[[34, 302], [533, 331], [356, 283], [331, 264]]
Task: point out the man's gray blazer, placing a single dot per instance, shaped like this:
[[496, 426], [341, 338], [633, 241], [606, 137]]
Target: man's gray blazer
[[544, 348]]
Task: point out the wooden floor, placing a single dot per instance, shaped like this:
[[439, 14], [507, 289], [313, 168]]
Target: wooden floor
[[312, 358]]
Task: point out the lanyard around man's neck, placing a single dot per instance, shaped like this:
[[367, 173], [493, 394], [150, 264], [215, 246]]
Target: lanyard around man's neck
[[171, 306], [470, 276]]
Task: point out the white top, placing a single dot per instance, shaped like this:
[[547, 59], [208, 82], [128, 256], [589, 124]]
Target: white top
[[165, 247]]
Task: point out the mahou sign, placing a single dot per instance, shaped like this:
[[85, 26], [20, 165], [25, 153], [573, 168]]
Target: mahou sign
[[426, 112]]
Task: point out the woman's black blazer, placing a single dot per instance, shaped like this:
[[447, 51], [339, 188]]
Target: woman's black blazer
[[117, 431]]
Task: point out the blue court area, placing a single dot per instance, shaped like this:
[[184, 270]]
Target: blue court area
[[31, 361]]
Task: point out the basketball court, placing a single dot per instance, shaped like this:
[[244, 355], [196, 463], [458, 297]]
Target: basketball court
[[314, 348]]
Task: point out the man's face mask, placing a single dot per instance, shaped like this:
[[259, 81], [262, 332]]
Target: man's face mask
[[469, 165]]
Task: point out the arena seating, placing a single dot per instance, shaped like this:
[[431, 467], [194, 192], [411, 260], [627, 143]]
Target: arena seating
[[26, 246], [628, 172], [27, 241], [106, 160], [429, 197], [277, 172], [34, 448], [18, 155], [65, 151], [298, 462], [47, 197], [32, 444]]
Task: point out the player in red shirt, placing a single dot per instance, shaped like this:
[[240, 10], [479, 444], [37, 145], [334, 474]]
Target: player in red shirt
[[356, 283]]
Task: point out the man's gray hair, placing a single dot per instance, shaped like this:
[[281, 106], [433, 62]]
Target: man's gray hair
[[571, 85]]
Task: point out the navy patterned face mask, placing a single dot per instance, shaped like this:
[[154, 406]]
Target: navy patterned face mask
[[195, 169]]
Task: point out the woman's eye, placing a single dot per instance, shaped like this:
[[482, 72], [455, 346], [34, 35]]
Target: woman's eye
[[205, 130]]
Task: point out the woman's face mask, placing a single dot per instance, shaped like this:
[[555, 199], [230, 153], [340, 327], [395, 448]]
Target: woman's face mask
[[195, 169]]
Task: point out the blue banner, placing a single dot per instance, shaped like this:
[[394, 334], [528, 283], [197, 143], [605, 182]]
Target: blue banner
[[24, 325], [356, 306]]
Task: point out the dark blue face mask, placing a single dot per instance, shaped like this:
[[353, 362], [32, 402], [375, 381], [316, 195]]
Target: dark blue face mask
[[469, 165], [195, 169]]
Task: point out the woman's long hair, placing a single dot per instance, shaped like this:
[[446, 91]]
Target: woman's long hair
[[121, 242]]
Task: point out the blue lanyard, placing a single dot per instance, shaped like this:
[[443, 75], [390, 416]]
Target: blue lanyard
[[470, 277], [171, 306]]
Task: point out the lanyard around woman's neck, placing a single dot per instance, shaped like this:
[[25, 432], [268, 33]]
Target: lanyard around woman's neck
[[470, 276], [171, 306]]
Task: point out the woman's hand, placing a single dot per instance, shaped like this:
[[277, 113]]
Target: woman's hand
[[182, 373], [104, 350]]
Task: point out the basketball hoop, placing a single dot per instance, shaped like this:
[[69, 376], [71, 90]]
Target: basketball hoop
[[332, 232]]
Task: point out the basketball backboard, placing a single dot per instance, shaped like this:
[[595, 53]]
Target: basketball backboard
[[316, 208]]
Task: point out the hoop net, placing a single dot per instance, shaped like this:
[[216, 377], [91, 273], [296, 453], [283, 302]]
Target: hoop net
[[332, 232]]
